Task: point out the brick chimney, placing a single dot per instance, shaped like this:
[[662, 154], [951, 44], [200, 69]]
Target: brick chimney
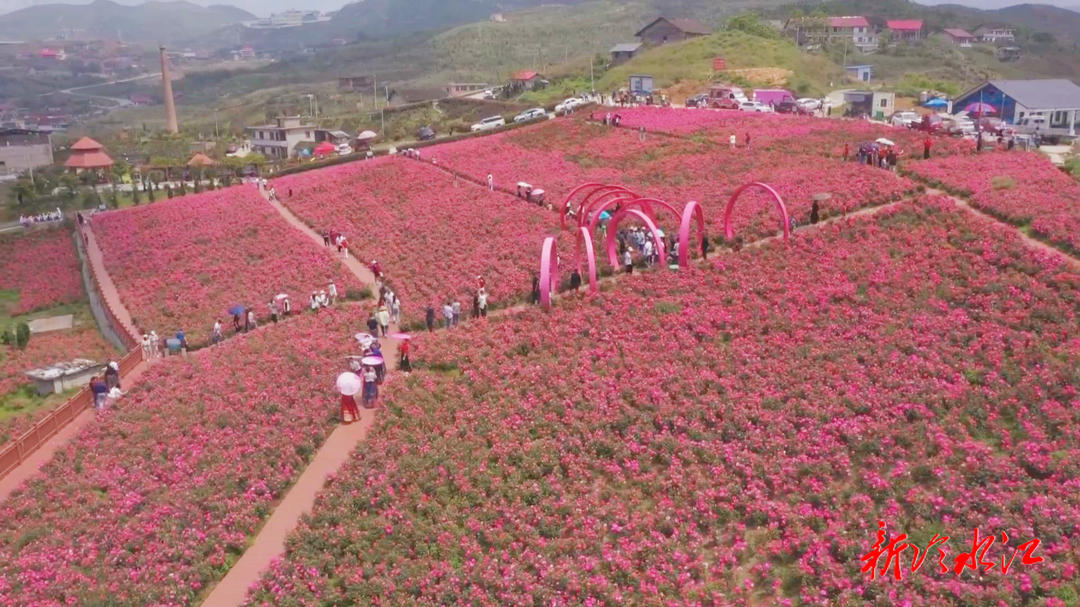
[[170, 105]]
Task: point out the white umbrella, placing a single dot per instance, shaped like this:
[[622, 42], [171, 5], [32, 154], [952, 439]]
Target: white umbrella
[[349, 383], [364, 338], [538, 192], [367, 135], [522, 184], [884, 141], [281, 296]]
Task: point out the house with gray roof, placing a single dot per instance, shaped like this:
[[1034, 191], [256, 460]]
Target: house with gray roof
[[621, 53], [1056, 99]]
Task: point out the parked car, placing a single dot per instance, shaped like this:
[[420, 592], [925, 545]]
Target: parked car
[[534, 114], [931, 123], [793, 107], [960, 126], [488, 124], [699, 100], [425, 133], [810, 103], [568, 105], [726, 97], [755, 106], [905, 119], [990, 124]]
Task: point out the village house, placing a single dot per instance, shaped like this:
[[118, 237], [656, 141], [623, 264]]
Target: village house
[[996, 33], [459, 89], [356, 83], [278, 141], [959, 36], [621, 53], [527, 80], [906, 30], [855, 29], [1056, 99], [665, 29]]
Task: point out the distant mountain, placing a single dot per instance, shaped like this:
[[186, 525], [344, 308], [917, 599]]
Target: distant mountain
[[150, 22], [1064, 24]]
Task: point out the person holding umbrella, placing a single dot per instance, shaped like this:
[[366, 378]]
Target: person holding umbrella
[[348, 385], [373, 325]]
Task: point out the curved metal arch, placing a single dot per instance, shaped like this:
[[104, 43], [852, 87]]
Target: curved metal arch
[[610, 190], [574, 192], [646, 205], [613, 256], [691, 211], [585, 235], [620, 198], [729, 232], [548, 274]]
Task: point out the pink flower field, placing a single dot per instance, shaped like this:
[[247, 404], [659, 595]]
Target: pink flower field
[[156, 498], [729, 436], [41, 268], [44, 349], [1022, 188], [432, 234], [561, 155], [182, 263]]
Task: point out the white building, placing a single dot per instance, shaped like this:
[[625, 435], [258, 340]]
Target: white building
[[278, 141], [22, 149]]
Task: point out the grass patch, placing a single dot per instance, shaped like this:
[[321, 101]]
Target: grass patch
[[25, 401]]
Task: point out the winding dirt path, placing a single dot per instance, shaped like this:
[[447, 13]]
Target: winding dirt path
[[269, 543]]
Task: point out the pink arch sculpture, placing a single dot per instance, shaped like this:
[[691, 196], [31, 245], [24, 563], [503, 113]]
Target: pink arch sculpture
[[613, 256], [623, 198], [646, 205], [587, 205], [584, 235], [785, 223], [593, 188], [549, 270], [691, 211]]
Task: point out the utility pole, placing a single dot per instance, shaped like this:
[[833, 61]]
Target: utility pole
[[592, 79], [375, 90]]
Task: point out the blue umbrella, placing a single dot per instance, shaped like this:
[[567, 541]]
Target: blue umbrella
[[237, 310], [936, 102], [604, 216]]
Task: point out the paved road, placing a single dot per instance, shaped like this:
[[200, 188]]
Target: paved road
[[120, 102]]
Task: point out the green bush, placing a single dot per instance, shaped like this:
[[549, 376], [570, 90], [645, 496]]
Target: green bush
[[22, 335]]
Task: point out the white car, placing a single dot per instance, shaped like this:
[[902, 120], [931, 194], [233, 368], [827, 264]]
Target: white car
[[533, 114], [568, 105], [488, 124], [809, 103], [754, 106], [905, 119]]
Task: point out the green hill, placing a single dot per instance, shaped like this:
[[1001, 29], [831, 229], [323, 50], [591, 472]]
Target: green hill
[[150, 22], [691, 62]]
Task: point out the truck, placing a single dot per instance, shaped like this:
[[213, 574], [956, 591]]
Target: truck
[[641, 84], [773, 96], [726, 97]]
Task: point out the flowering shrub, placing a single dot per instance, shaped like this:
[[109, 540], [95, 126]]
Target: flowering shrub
[[158, 497], [182, 263], [1022, 188], [42, 268], [45, 349], [432, 234], [728, 435]]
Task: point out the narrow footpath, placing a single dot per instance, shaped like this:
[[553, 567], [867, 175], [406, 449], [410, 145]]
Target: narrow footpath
[[269, 543], [108, 288]]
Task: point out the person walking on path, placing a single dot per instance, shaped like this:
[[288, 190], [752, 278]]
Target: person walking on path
[[383, 316], [273, 311], [154, 345], [429, 318], [404, 364], [216, 336], [628, 261], [395, 311], [373, 326], [332, 289], [448, 314], [481, 298], [325, 238], [349, 411], [491, 183], [927, 143], [112, 375], [456, 308], [704, 247], [371, 387], [182, 338], [814, 216], [847, 151], [733, 140], [344, 247], [476, 305], [146, 351], [100, 392], [575, 280], [536, 289], [251, 324], [380, 369]]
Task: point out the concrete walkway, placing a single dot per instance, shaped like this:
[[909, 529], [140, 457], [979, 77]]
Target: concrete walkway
[[269, 544]]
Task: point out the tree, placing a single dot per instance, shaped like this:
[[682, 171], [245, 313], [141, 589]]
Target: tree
[[22, 335], [168, 191], [150, 194], [120, 168], [23, 191], [751, 24], [70, 185], [134, 194]]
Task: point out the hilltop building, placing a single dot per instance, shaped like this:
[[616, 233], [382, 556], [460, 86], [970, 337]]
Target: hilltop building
[[621, 53], [907, 30], [88, 155], [666, 29], [24, 149], [996, 33], [1056, 99]]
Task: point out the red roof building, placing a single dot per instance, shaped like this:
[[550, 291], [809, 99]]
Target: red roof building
[[855, 29], [959, 36], [848, 22], [87, 154], [911, 29], [525, 76]]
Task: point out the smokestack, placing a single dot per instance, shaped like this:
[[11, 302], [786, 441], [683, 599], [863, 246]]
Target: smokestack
[[170, 105]]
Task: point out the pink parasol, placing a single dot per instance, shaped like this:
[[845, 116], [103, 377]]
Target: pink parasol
[[372, 360], [401, 336], [349, 383], [980, 108]]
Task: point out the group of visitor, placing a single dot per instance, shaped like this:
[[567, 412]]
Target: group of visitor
[[323, 298], [333, 238], [530, 194], [49, 217], [154, 346], [106, 388]]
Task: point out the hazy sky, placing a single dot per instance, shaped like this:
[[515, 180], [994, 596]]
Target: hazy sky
[[992, 4], [262, 8]]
